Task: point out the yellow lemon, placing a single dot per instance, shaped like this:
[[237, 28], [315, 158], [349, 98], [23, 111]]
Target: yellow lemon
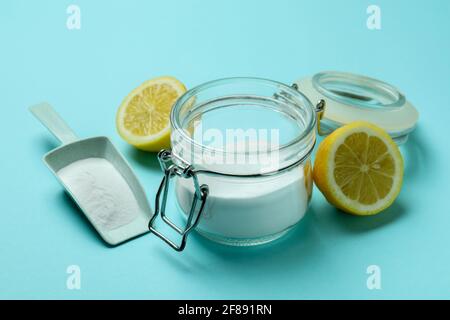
[[143, 117], [359, 169], [307, 171]]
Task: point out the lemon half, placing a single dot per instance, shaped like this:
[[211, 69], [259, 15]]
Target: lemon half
[[143, 117], [359, 169]]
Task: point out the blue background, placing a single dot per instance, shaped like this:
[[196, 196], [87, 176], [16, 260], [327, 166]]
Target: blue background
[[86, 73]]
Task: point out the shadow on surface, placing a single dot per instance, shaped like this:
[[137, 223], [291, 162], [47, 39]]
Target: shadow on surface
[[290, 251], [45, 143], [143, 158], [300, 248], [417, 154], [358, 224]]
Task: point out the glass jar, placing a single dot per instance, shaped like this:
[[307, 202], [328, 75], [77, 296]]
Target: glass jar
[[240, 160], [352, 97]]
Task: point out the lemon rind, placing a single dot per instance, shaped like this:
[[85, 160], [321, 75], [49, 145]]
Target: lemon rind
[[162, 137], [334, 192]]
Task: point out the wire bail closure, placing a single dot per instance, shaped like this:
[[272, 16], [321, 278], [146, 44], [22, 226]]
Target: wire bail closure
[[170, 169]]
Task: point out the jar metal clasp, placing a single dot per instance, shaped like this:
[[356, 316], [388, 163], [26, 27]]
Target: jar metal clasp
[[186, 171], [320, 110]]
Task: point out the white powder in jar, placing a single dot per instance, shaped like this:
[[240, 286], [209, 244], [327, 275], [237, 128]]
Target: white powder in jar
[[250, 207], [101, 191]]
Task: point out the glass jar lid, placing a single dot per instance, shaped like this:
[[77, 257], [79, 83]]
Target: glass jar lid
[[350, 97]]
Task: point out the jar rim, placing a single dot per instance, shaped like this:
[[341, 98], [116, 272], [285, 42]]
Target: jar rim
[[306, 105]]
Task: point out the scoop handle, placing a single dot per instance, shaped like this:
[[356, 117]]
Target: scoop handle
[[53, 122]]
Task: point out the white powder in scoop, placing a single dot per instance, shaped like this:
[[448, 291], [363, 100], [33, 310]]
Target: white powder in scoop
[[101, 191]]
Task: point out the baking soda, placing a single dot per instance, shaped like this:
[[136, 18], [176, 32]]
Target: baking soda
[[246, 208], [101, 191]]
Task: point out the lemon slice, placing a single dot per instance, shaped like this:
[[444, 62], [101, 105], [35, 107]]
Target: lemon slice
[[359, 169], [143, 117]]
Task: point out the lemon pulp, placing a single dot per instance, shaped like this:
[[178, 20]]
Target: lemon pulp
[[143, 117], [359, 169]]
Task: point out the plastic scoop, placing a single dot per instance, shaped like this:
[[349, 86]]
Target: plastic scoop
[[73, 150]]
